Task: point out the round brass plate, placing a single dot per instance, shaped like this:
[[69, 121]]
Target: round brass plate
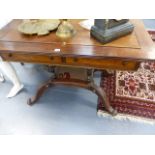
[[38, 26]]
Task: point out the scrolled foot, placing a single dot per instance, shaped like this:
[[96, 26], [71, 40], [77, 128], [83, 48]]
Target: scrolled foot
[[29, 101], [112, 111], [39, 93], [102, 95]]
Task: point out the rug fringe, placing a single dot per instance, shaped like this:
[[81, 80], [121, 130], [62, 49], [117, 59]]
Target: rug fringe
[[126, 117]]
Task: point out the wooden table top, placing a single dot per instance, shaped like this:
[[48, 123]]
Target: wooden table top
[[135, 46]]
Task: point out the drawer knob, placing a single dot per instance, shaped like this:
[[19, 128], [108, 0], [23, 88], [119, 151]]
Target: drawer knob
[[51, 57], [10, 54], [124, 63], [63, 59], [75, 59]]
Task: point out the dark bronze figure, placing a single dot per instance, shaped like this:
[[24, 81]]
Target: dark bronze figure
[[106, 30]]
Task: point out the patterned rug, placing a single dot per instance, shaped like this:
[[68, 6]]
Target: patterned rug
[[131, 93]]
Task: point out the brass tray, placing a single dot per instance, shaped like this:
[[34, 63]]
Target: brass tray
[[38, 26]]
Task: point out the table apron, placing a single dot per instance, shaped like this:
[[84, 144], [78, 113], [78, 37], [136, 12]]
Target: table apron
[[84, 62]]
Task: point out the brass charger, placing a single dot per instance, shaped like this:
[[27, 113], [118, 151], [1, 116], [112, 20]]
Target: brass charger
[[38, 26]]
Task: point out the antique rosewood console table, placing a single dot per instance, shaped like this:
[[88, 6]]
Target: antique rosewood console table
[[81, 53]]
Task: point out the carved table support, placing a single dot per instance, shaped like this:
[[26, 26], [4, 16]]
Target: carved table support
[[86, 84]]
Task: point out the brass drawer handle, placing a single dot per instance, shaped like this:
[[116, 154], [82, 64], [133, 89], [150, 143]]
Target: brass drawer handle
[[124, 63], [51, 57], [63, 59], [10, 55], [75, 59]]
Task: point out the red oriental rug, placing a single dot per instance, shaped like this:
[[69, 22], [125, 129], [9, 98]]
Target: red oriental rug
[[131, 93]]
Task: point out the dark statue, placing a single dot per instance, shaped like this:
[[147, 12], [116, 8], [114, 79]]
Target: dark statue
[[106, 30]]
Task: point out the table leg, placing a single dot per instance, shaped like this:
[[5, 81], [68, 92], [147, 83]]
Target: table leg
[[88, 84], [39, 93], [101, 94]]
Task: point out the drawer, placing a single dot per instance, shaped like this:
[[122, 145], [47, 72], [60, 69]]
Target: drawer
[[103, 63], [40, 59], [96, 63]]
